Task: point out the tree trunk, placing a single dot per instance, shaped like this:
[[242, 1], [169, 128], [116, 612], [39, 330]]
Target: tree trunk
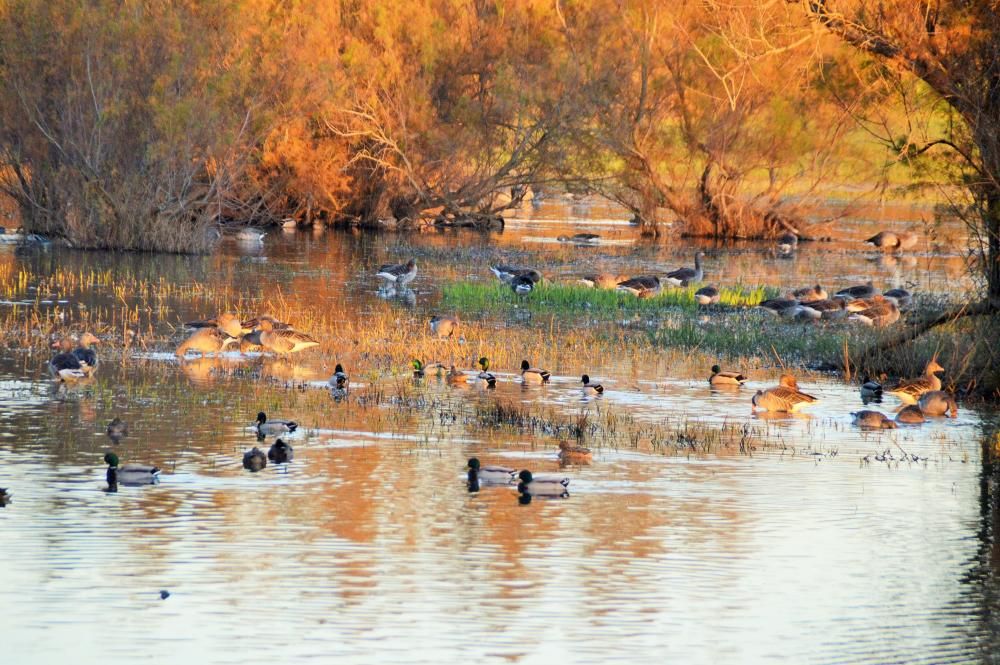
[[992, 223]]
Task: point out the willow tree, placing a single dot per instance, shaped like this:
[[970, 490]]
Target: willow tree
[[952, 47]]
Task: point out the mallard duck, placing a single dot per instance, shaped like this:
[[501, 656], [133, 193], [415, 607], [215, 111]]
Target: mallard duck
[[443, 326], [872, 420], [130, 474], [910, 415], [421, 370], [86, 355], [683, 276], [938, 403], [280, 452], [809, 294], [900, 297], [720, 378], [339, 378], [506, 274], [399, 274], [65, 366], [866, 290], [570, 453], [534, 375], [884, 240], [581, 238], [483, 377], [552, 487], [706, 295], [879, 315], [591, 388], [227, 322], [265, 427], [870, 390], [642, 286], [603, 280], [204, 341], [784, 307], [490, 475], [284, 341], [783, 398], [910, 391], [254, 460], [117, 429]]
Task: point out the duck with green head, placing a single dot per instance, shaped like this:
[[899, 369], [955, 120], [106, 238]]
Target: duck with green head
[[420, 370], [265, 427], [720, 378], [280, 452], [545, 487], [484, 378], [533, 375], [129, 474]]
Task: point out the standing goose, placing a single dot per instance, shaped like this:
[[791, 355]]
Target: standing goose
[[683, 276], [872, 420], [534, 375], [490, 475], [506, 273], [866, 290], [280, 452], [204, 341], [443, 326], [129, 474], [720, 378], [399, 274], [642, 286], [265, 427], [706, 295], [938, 403], [86, 355], [784, 398], [254, 460], [551, 487], [591, 388], [282, 342], [65, 366], [910, 391]]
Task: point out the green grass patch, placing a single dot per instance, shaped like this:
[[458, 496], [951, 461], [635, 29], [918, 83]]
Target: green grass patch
[[572, 299]]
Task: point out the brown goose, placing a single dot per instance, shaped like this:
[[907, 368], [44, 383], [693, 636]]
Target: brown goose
[[831, 308], [282, 342], [785, 397], [399, 274], [938, 403], [683, 276], [204, 341], [866, 290], [779, 306], [901, 297], [443, 326], [879, 315], [227, 322], [809, 294], [642, 286], [706, 295], [910, 391], [872, 420], [603, 280]]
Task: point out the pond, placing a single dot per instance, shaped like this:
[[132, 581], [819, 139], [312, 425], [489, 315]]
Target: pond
[[807, 540]]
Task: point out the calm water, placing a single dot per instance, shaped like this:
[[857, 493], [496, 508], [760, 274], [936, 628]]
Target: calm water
[[825, 545]]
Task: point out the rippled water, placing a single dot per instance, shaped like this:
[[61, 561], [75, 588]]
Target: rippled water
[[821, 544]]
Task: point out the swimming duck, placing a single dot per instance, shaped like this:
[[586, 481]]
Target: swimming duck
[[284, 341], [642, 286], [506, 273], [421, 370], [130, 474], [910, 391], [86, 355], [720, 378], [265, 427], [490, 475], [399, 274], [787, 242], [809, 294], [706, 295], [872, 420], [254, 460], [603, 280], [682, 276], [591, 388], [570, 453], [534, 375], [250, 236], [870, 390], [938, 403], [910, 415], [280, 452], [65, 366], [783, 398], [443, 326], [117, 429], [204, 341], [581, 238], [866, 290], [551, 487], [483, 377]]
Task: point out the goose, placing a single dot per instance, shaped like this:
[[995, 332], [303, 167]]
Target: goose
[[885, 240], [878, 315], [938, 403], [720, 378], [204, 341], [506, 273], [86, 355], [779, 306], [784, 398], [682, 276], [900, 297], [399, 274], [339, 380], [420, 369], [570, 453], [65, 366], [872, 420], [581, 238], [483, 377], [522, 284], [861, 304], [870, 390], [443, 326], [260, 321], [117, 429], [250, 235], [129, 474], [265, 427], [280, 452], [490, 475], [910, 391], [805, 313], [706, 295], [227, 322], [866, 290], [284, 341], [254, 460], [642, 286], [534, 375], [809, 294], [591, 388], [908, 240], [551, 487], [787, 242], [830, 308], [910, 415], [603, 280]]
